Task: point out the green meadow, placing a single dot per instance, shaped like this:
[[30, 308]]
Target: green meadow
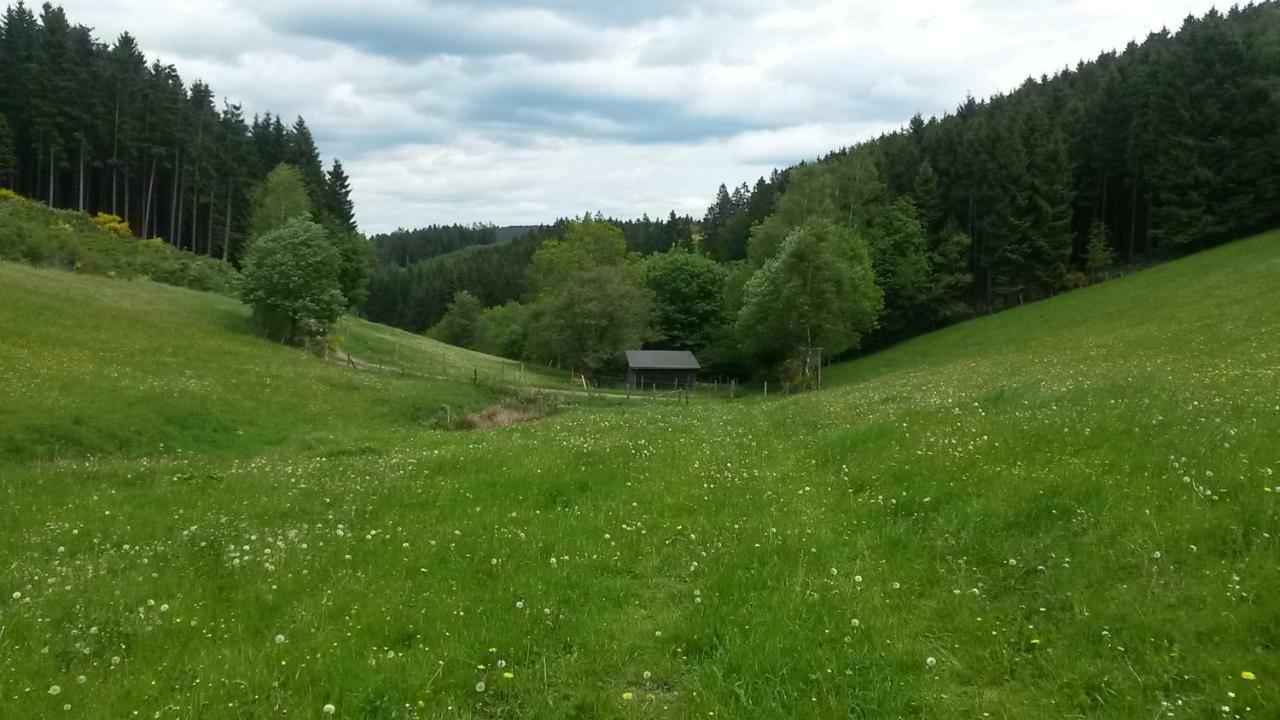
[[1066, 510]]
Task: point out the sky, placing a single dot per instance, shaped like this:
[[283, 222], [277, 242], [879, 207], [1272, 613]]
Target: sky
[[523, 111]]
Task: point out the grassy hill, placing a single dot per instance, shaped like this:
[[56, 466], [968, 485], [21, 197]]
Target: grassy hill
[[1065, 510]]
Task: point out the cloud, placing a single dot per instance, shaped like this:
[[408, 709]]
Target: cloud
[[408, 30], [518, 111]]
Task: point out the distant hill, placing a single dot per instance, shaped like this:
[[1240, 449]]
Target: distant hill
[[507, 232]]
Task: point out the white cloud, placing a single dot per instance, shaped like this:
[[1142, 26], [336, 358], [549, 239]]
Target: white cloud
[[517, 111]]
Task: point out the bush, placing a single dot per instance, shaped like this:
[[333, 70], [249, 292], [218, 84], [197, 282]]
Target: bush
[[100, 245], [291, 280]]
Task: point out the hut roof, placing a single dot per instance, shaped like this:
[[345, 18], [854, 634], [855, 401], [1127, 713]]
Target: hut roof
[[661, 360]]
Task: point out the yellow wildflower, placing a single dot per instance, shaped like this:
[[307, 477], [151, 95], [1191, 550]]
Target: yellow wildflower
[[628, 696], [1248, 675]]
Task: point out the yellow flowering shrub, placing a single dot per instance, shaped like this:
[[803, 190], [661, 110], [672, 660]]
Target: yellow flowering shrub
[[112, 224]]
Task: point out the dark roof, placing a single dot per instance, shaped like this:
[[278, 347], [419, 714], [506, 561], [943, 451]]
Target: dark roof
[[661, 360]]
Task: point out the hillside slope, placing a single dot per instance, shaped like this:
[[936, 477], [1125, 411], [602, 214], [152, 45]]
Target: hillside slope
[[107, 367], [1070, 509]]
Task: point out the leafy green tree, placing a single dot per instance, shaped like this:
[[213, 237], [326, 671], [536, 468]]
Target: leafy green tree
[[280, 197], [356, 263], [461, 321], [818, 291], [503, 330], [688, 298], [290, 279], [1099, 257], [901, 260], [588, 322], [590, 301], [809, 197], [586, 243]]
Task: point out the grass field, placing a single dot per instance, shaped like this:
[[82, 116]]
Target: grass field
[[1067, 510]]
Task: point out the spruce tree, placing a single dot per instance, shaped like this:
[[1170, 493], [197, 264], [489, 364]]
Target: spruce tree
[[338, 196], [1099, 257], [304, 156], [1049, 199]]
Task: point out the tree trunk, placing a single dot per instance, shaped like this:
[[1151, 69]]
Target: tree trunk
[[35, 191], [1146, 235], [81, 175], [226, 227], [195, 208], [51, 149], [126, 199], [146, 205], [1133, 220], [115, 155], [175, 207], [195, 195], [208, 235], [182, 207]]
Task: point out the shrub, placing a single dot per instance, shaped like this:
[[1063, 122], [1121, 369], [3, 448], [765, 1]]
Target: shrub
[[112, 224], [32, 233]]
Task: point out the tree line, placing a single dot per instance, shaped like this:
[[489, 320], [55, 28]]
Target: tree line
[[94, 127], [419, 271], [1167, 146]]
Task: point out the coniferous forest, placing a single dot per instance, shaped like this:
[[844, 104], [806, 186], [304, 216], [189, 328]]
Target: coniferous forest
[[1167, 146], [97, 127], [1161, 148]]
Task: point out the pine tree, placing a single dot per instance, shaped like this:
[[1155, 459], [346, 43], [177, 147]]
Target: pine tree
[[925, 195], [304, 156], [714, 224], [1005, 229], [127, 72], [1099, 257], [1049, 201], [338, 196]]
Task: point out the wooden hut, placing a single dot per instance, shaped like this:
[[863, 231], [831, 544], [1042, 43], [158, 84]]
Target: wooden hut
[[661, 370]]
